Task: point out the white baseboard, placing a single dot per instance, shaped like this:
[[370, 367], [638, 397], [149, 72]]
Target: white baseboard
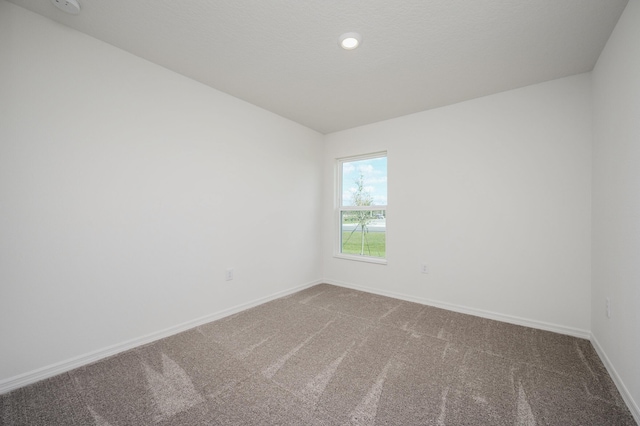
[[30, 377], [624, 392], [541, 325]]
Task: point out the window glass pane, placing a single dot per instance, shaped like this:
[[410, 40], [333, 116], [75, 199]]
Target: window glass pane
[[363, 233], [364, 182]]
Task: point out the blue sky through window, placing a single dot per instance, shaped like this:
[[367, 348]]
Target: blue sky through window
[[374, 173]]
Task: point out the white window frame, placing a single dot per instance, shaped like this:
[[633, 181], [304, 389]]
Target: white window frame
[[339, 209]]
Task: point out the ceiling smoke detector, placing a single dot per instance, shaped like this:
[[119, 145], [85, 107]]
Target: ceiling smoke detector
[[69, 6]]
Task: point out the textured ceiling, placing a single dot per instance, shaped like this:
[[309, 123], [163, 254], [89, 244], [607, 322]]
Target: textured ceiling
[[283, 55]]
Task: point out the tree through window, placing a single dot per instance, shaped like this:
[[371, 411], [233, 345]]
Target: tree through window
[[362, 206]]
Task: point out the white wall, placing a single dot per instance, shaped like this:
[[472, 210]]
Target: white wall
[[126, 190], [616, 202], [493, 195]]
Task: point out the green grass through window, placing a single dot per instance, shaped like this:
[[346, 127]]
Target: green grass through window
[[374, 243]]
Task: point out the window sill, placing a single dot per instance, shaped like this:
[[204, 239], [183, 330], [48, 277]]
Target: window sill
[[367, 259]]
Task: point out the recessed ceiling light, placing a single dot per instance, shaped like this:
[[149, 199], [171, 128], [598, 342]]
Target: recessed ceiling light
[[69, 6], [349, 41]]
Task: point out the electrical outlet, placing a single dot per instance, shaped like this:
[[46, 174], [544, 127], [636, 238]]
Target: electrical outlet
[[608, 304], [229, 274], [424, 269]]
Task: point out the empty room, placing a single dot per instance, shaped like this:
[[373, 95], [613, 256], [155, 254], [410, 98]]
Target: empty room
[[422, 212]]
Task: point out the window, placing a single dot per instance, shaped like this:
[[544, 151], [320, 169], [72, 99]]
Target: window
[[362, 207]]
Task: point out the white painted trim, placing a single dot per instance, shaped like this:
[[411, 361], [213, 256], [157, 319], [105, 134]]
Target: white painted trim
[[541, 325], [368, 259], [30, 377], [624, 392]]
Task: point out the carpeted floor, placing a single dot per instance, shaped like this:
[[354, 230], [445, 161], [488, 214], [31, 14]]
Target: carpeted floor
[[334, 356]]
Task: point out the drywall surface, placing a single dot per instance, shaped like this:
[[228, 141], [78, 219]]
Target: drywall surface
[[616, 202], [126, 191], [493, 195]]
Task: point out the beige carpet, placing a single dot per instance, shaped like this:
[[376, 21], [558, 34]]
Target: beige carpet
[[333, 356]]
